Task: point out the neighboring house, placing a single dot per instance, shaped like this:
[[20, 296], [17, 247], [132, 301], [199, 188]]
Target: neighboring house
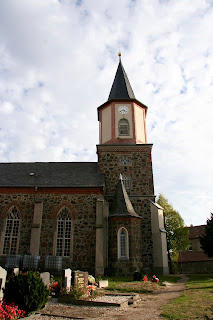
[[195, 260], [92, 216]]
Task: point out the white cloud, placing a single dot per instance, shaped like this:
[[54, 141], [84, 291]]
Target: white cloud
[[57, 63]]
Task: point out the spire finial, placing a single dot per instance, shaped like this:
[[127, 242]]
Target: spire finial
[[119, 54]]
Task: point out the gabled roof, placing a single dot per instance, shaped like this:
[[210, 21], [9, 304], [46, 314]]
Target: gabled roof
[[50, 174], [190, 256], [121, 204], [196, 231], [121, 88]]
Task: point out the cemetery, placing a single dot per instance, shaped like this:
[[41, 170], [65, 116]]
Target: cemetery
[[76, 294]]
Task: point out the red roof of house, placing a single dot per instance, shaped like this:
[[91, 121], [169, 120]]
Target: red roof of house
[[197, 231], [189, 256]]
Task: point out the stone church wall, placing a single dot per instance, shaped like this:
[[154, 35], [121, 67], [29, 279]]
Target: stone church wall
[[83, 207], [135, 162], [125, 267]]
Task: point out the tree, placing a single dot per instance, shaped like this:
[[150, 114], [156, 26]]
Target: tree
[[177, 232], [206, 240]]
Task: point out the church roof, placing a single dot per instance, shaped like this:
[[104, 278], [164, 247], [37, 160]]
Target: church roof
[[121, 88], [50, 174], [121, 204]]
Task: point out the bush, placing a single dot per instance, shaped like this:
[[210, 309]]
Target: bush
[[26, 290], [137, 276]]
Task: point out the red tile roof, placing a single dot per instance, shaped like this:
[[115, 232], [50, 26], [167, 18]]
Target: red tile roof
[[196, 231], [189, 256]]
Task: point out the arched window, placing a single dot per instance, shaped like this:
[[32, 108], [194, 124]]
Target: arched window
[[63, 243], [126, 181], [12, 230], [123, 127], [123, 244]]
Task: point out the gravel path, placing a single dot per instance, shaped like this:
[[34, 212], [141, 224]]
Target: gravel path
[[148, 308]]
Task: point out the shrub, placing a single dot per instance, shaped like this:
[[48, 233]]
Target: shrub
[[78, 292], [27, 290], [137, 276]]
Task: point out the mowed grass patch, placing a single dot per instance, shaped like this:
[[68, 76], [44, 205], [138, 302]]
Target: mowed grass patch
[[195, 303]]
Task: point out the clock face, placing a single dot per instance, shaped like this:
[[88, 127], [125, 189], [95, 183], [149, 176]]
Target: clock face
[[123, 109]]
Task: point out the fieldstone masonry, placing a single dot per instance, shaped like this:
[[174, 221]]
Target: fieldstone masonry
[[139, 169]]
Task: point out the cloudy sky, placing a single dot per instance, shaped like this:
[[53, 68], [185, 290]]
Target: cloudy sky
[[58, 59]]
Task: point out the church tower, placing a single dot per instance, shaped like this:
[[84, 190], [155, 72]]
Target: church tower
[[124, 156]]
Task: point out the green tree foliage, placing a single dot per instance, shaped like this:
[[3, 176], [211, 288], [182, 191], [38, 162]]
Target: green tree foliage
[[27, 291], [177, 232], [206, 240]]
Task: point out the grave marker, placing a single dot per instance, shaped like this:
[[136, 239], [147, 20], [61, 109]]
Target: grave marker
[[80, 279], [45, 276], [3, 275], [67, 278], [15, 271]]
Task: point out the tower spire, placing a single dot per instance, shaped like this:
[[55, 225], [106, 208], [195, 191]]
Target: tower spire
[[121, 88]]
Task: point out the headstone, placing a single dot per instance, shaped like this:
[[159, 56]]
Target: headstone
[[67, 278], [103, 283], [80, 279], [3, 276], [15, 271], [45, 276]]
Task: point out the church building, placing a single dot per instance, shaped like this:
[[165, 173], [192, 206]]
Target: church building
[[99, 217]]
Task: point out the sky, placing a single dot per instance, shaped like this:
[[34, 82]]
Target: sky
[[58, 60]]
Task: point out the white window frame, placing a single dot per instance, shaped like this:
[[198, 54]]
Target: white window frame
[[123, 234], [126, 181], [11, 231], [65, 249]]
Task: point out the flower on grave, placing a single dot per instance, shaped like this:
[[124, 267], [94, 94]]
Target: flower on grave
[[91, 288], [155, 279], [145, 278]]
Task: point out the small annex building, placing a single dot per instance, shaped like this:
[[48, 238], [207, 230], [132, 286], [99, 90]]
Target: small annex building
[[99, 217], [195, 260]]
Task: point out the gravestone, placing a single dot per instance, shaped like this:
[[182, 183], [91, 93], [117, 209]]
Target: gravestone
[[67, 278], [80, 279], [15, 271], [103, 283], [3, 276], [45, 276]]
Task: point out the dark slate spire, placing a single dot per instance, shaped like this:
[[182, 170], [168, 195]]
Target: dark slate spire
[[121, 88], [121, 204]]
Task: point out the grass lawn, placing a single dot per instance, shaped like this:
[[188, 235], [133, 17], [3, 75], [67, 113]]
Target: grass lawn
[[195, 303]]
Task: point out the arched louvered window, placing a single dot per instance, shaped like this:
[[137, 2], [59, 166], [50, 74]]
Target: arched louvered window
[[123, 127], [63, 243], [126, 181], [12, 230], [123, 244]]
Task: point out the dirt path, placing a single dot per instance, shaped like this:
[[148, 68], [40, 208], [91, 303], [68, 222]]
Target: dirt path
[[147, 308]]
